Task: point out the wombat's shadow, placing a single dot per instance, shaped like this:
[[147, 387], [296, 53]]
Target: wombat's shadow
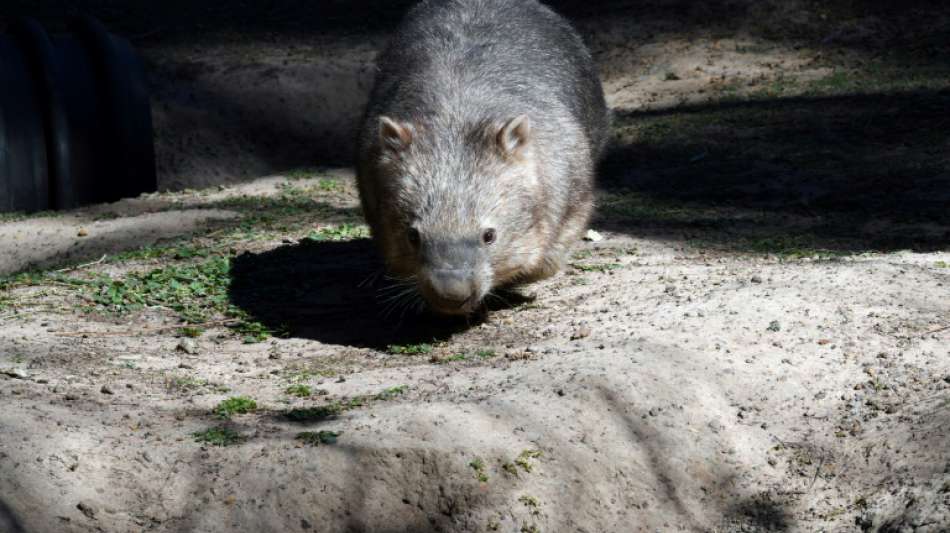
[[334, 292]]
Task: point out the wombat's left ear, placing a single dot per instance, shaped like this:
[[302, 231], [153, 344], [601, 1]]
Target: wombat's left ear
[[394, 136], [514, 135]]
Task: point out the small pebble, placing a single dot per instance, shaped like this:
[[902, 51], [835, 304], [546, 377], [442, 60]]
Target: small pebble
[[581, 332], [87, 509], [189, 346], [593, 236]]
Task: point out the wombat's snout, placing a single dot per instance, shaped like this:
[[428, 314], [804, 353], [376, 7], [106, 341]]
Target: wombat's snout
[[452, 291]]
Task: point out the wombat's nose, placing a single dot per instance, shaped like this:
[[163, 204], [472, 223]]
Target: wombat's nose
[[456, 286]]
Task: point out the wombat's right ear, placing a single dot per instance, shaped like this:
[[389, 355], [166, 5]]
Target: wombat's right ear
[[394, 136]]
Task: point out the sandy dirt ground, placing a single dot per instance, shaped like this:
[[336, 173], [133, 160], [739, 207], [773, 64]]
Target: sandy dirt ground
[[708, 366]]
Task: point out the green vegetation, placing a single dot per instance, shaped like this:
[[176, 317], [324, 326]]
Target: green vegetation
[[236, 405], [218, 436], [334, 409], [392, 392], [409, 349], [531, 503], [525, 459], [299, 390], [478, 465], [596, 267], [341, 232], [315, 414], [192, 384], [316, 438]]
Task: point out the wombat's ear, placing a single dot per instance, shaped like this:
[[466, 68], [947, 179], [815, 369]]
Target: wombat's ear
[[513, 135], [394, 136]]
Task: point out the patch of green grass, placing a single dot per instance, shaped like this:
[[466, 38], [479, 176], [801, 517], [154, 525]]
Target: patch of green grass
[[301, 173], [191, 332], [252, 331], [196, 292], [341, 232], [236, 405], [178, 250], [316, 438], [596, 267], [450, 359], [510, 468], [315, 414], [531, 503], [218, 436], [790, 247], [525, 459], [409, 349], [392, 392], [478, 465], [580, 255], [299, 390], [184, 383], [942, 264], [37, 278], [631, 206], [485, 353], [328, 185], [17, 216], [193, 291]]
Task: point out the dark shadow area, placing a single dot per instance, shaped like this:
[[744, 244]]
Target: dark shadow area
[[188, 21], [8, 520], [842, 173], [334, 292], [759, 513]]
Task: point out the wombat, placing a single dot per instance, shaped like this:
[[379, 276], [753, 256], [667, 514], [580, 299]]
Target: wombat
[[477, 151]]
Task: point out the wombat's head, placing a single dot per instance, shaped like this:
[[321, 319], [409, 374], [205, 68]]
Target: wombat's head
[[458, 207]]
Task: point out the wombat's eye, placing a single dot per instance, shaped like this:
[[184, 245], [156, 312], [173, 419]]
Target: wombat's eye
[[412, 234], [488, 236]]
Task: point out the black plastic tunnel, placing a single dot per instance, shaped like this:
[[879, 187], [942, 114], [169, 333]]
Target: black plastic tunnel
[[75, 119]]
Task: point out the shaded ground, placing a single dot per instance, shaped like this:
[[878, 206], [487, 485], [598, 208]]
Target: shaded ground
[[760, 342]]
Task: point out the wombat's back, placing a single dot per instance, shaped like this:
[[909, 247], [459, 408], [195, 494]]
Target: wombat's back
[[477, 58]]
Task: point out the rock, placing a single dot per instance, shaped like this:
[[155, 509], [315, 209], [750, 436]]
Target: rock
[[189, 346], [106, 390], [756, 279], [593, 236], [82, 232], [580, 333], [15, 373], [87, 509]]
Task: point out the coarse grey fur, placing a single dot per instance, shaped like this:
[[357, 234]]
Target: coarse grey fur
[[476, 155]]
